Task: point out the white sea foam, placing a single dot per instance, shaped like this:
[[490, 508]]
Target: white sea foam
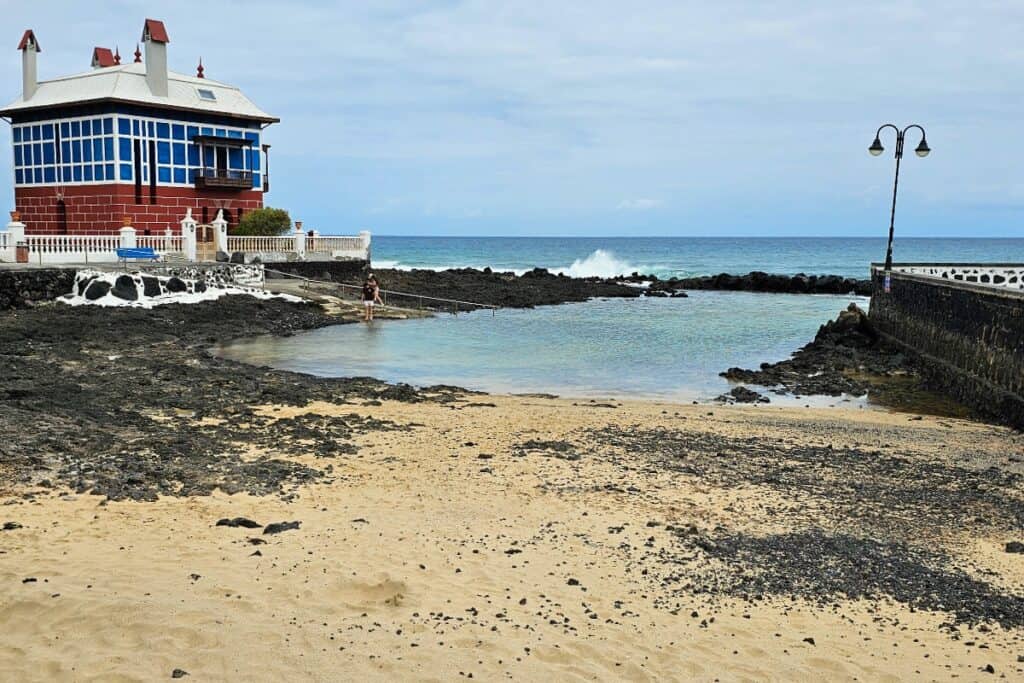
[[600, 263]]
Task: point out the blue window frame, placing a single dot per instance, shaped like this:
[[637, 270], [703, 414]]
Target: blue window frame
[[178, 149], [27, 180], [17, 133], [76, 129], [86, 128], [163, 152], [126, 171], [163, 130], [254, 137], [207, 131], [48, 155], [108, 126], [221, 133], [163, 174], [234, 133], [179, 175], [178, 131]]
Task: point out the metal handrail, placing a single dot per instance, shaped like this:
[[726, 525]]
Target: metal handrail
[[387, 292]]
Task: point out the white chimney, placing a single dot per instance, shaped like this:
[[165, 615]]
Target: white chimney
[[29, 46], [154, 37]]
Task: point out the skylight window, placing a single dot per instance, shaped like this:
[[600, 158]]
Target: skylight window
[[207, 95]]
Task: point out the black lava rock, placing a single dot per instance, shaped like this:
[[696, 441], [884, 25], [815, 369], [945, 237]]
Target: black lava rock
[[176, 285], [124, 288], [150, 286], [96, 290], [1015, 547], [278, 527], [239, 522]]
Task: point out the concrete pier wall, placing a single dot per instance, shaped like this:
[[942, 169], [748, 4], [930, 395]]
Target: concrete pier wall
[[970, 337]]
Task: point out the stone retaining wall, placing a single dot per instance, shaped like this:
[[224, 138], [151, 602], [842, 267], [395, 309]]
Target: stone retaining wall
[[970, 337], [25, 288]]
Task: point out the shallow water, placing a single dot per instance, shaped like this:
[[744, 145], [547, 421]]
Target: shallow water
[[648, 347]]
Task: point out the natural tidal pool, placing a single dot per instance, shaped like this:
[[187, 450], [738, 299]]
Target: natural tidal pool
[[648, 347]]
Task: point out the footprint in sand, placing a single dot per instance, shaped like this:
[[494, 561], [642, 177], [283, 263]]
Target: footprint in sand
[[385, 592]]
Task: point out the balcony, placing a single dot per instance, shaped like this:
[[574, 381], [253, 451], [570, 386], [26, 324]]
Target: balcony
[[223, 179]]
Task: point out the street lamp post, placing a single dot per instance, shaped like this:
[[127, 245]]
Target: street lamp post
[[875, 149]]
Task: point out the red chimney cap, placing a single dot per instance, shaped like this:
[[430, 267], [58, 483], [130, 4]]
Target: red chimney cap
[[154, 30], [103, 57], [29, 37]]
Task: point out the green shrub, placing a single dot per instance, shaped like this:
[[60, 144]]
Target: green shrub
[[264, 222]]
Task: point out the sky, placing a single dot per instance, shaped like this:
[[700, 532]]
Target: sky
[[476, 117]]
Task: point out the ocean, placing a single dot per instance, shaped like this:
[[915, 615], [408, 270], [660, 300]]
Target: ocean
[[652, 348]]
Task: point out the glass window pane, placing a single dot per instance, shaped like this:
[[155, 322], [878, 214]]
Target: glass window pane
[[178, 131], [19, 176], [179, 175], [17, 133], [193, 155], [163, 130], [76, 151], [179, 153], [126, 171], [65, 151], [108, 126], [17, 155], [256, 180], [27, 180], [38, 175], [108, 149], [86, 151], [149, 128], [125, 148], [76, 129], [77, 175], [191, 132], [49, 175], [135, 128], [97, 172], [87, 174], [163, 152], [28, 154], [47, 131], [235, 159], [163, 174], [86, 127], [37, 133], [48, 154], [110, 171], [97, 149], [37, 152], [67, 174], [124, 127]]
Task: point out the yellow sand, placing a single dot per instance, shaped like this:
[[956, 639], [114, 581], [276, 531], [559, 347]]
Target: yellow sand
[[424, 588]]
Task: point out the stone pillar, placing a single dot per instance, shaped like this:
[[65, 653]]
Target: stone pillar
[[128, 240], [220, 232], [15, 236], [188, 236], [300, 242]]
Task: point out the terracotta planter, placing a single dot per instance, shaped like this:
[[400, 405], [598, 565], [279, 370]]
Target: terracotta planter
[[126, 221], [15, 217]]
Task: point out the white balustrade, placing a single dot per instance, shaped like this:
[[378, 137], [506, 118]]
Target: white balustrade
[[73, 248], [261, 244], [1008, 275]]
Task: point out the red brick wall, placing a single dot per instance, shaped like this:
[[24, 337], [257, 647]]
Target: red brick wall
[[98, 209]]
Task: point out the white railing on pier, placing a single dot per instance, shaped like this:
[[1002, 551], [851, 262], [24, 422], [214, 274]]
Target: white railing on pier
[[72, 248], [261, 245], [1008, 275], [163, 244], [337, 247]]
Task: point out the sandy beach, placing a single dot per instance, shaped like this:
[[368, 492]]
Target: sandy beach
[[503, 537]]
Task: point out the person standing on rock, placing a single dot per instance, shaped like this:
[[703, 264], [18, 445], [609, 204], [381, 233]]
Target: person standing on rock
[[371, 295]]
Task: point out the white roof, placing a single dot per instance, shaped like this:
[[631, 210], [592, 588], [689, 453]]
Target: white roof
[[127, 83]]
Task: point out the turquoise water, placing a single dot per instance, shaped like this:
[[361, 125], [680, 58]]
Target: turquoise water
[[681, 256], [672, 348]]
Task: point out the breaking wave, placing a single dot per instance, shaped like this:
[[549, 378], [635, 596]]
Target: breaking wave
[[599, 263]]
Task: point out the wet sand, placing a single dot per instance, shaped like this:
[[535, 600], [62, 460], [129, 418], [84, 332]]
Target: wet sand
[[529, 538]]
